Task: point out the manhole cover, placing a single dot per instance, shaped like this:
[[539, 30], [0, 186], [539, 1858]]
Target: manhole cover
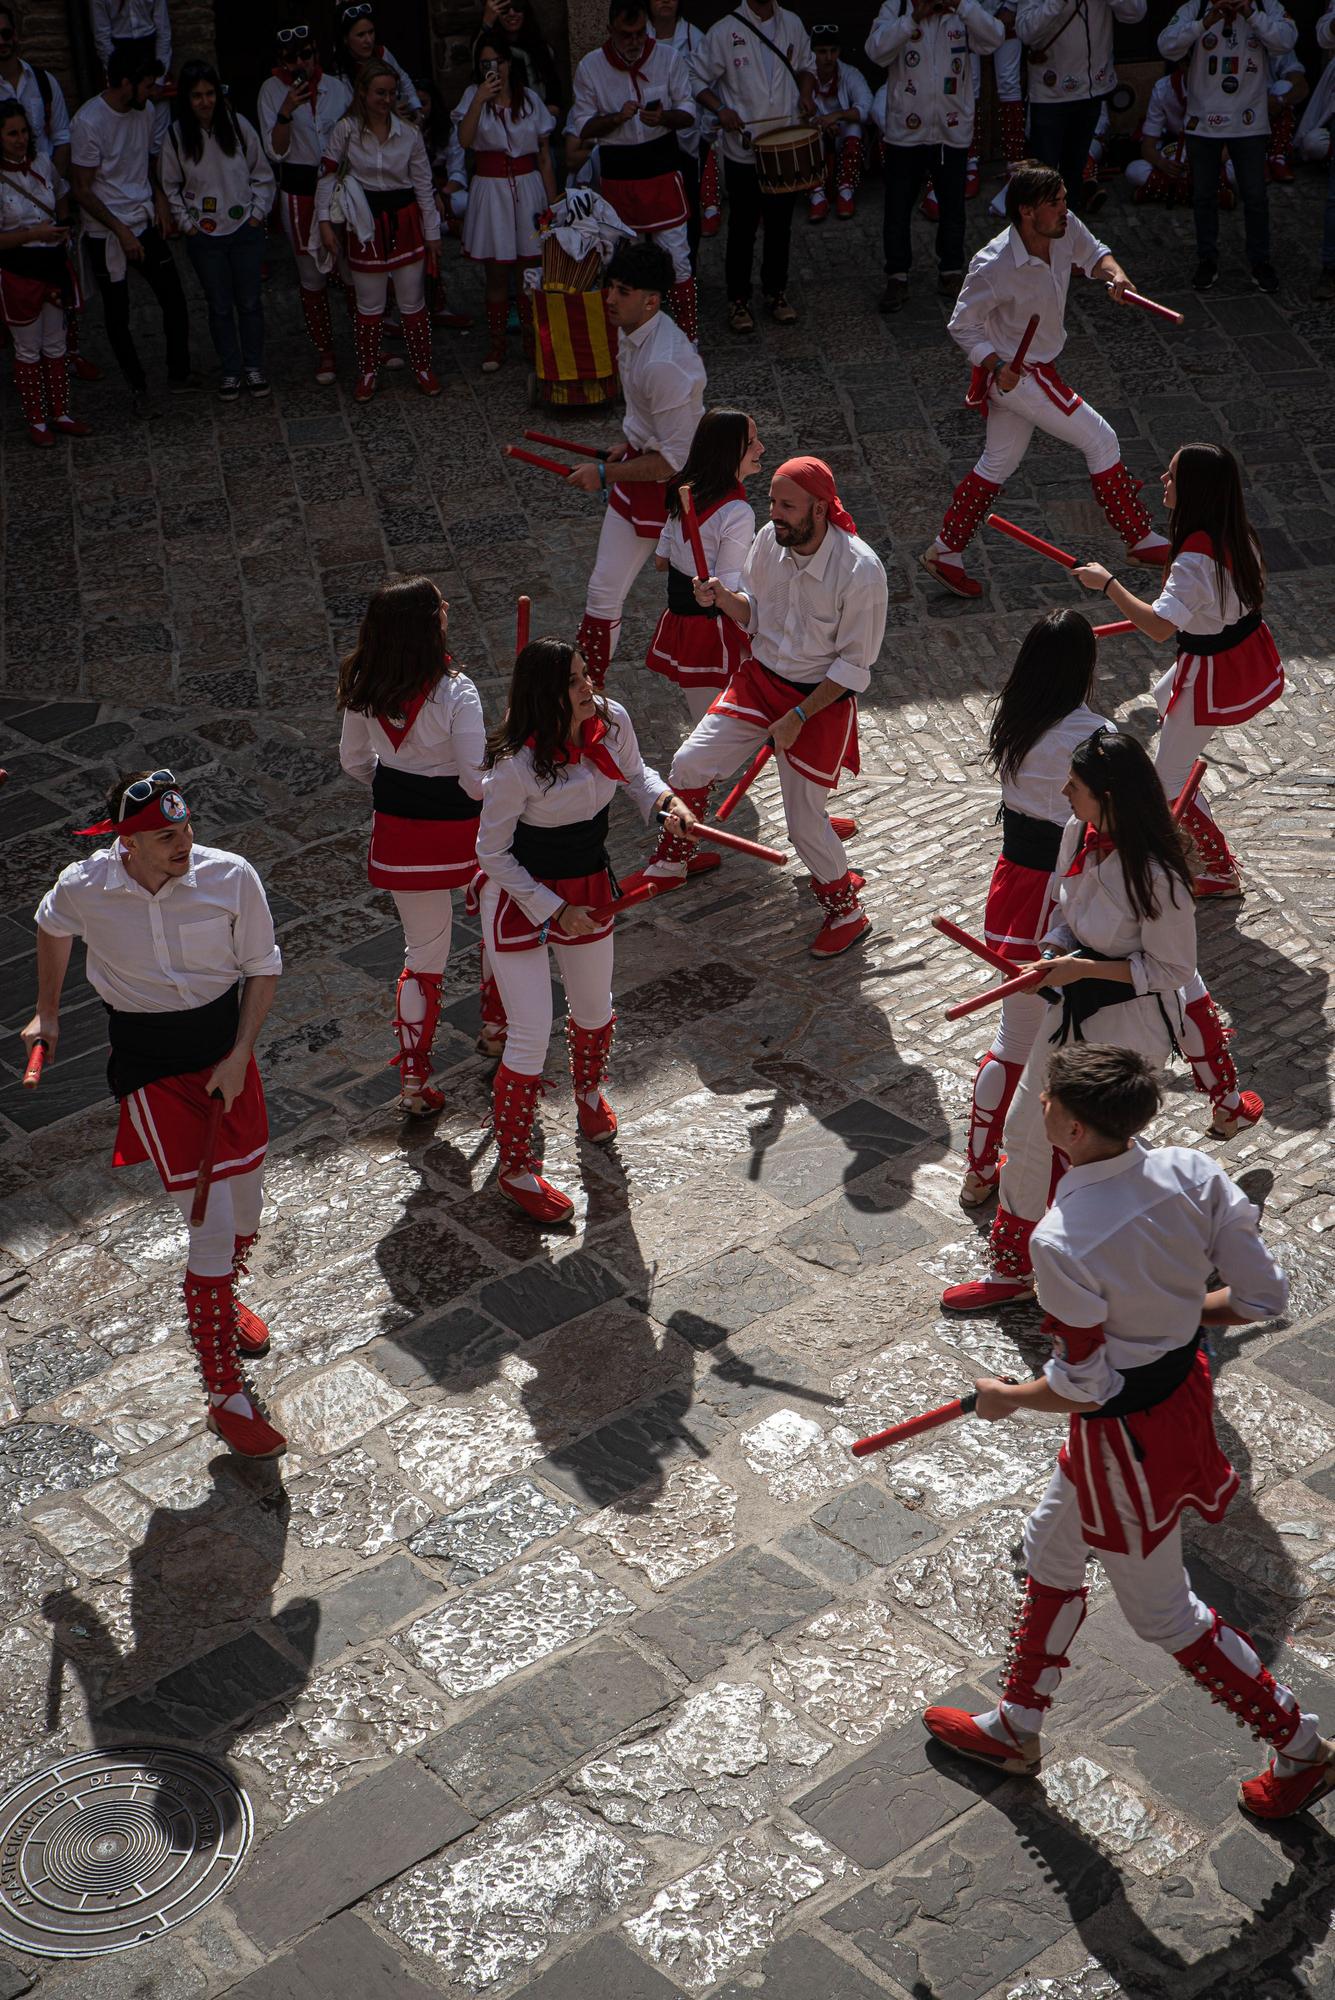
[[109, 1850]]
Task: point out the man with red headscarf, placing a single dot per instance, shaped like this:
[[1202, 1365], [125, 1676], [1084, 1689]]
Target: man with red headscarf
[[180, 948], [812, 601]]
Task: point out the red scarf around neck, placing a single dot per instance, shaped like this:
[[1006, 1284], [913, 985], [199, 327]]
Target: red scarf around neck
[[590, 746], [1094, 845], [635, 71]]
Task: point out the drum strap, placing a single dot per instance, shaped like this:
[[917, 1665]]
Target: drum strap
[[752, 29]]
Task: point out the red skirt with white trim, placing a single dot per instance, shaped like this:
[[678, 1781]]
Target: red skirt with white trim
[[658, 202], [1230, 687], [696, 652], [826, 746], [1017, 909], [1168, 1457], [398, 239], [644, 504], [516, 930], [164, 1122], [411, 855]]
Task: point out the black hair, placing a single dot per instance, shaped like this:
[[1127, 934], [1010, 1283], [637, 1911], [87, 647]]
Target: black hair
[[127, 65], [188, 125], [644, 267], [1030, 183], [10, 107], [1209, 502], [714, 460], [1122, 777], [1115, 1092], [539, 709], [496, 38], [1053, 673]]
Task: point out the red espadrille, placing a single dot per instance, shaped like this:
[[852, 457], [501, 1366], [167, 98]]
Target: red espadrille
[[1228, 1121], [953, 574], [956, 1728], [1273, 1797]]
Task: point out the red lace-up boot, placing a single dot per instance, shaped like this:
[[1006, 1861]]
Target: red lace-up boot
[[315, 312], [413, 1061], [845, 919], [1007, 1738], [1011, 1277], [589, 1049], [235, 1413], [1119, 496], [994, 1085], [971, 500], [367, 329], [56, 380], [417, 340], [514, 1101], [252, 1335]]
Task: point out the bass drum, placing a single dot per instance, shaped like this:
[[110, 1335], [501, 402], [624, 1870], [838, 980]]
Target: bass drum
[[790, 161]]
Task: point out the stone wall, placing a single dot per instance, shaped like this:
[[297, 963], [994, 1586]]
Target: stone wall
[[46, 39]]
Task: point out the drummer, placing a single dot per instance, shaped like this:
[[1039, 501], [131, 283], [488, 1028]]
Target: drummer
[[756, 71]]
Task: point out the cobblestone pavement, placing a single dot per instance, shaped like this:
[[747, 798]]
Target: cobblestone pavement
[[575, 1653]]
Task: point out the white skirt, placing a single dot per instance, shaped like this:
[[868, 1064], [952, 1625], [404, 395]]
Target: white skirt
[[499, 224]]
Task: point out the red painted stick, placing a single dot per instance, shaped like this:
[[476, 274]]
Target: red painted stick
[[717, 838], [645, 893], [1152, 306], [568, 444], [963, 1406], [204, 1178], [1109, 631], [1029, 541], [691, 529], [32, 1075], [1017, 362], [973, 944], [745, 782], [1024, 983], [543, 464], [523, 616], [1184, 799]]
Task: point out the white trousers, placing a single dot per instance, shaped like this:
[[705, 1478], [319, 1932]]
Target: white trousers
[[372, 289], [233, 1210], [1154, 1591], [1012, 420], [1181, 741], [621, 556], [525, 983], [698, 700], [1017, 1031], [309, 275], [427, 916], [720, 744], [43, 335], [678, 249], [1008, 63]]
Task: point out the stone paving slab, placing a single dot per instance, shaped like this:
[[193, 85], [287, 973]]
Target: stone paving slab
[[569, 1650]]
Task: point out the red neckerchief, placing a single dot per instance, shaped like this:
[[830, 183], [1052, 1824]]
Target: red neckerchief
[[737, 492], [287, 76], [1200, 544], [635, 71], [1095, 844], [396, 727], [591, 736]]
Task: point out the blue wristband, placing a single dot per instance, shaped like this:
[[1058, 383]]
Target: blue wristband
[[799, 710]]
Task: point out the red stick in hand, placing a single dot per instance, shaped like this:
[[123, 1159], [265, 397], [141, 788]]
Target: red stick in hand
[[567, 444], [1182, 803], [1022, 535], [543, 464], [1025, 983], [690, 527], [717, 838], [32, 1075], [963, 1406], [1017, 362], [973, 944], [1122, 625], [204, 1178], [643, 893], [745, 782], [523, 615], [1152, 306]]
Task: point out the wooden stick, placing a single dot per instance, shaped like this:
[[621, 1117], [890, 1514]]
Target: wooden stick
[[204, 1178], [1121, 625], [691, 529], [717, 838], [1152, 306], [644, 893], [523, 616], [1186, 796], [1022, 535], [744, 783], [995, 959], [568, 444], [543, 464], [1017, 362], [1025, 983], [32, 1075], [963, 1406]]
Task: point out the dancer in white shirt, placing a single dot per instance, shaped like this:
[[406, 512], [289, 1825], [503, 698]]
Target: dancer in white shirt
[[37, 284], [299, 106], [1026, 271], [1125, 1260], [508, 128], [181, 949]]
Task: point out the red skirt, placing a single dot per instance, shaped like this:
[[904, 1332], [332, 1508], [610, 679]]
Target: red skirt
[[299, 215], [825, 746], [415, 854], [644, 504], [164, 1122], [397, 240], [648, 205], [22, 298], [1168, 1457], [1233, 686], [1017, 909], [516, 930], [696, 652]]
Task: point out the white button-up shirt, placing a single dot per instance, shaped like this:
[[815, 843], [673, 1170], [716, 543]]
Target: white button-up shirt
[[1036, 788], [160, 954], [929, 95], [1069, 46], [311, 124], [1228, 77], [749, 78], [601, 87], [1093, 909], [817, 617], [448, 739], [1004, 287], [130, 20], [399, 161], [663, 381], [1129, 1246], [29, 95]]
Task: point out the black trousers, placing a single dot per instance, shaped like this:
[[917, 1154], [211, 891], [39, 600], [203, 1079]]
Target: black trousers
[[748, 209], [906, 168], [160, 274], [1060, 135]]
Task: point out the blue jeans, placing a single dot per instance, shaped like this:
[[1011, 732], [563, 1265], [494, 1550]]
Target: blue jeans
[[1248, 157], [228, 269]]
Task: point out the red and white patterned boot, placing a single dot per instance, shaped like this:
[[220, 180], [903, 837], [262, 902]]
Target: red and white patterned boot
[[1119, 496], [850, 173], [675, 858], [235, 1413], [1011, 1278], [416, 1033], [972, 499], [994, 1085], [1205, 1043], [594, 642], [315, 312], [366, 333], [1216, 871], [1279, 160], [494, 1027], [1225, 1663], [589, 1049], [1007, 1737], [845, 919], [417, 340], [514, 1102], [710, 195], [28, 382], [252, 1335], [683, 303], [56, 380], [1012, 134]]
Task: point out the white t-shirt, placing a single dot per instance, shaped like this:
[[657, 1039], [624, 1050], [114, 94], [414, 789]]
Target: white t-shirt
[[118, 146]]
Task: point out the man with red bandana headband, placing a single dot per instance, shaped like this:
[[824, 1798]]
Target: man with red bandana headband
[[299, 106], [812, 602], [181, 950], [632, 97]]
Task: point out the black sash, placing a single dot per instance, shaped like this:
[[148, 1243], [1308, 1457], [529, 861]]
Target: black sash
[[1085, 997], [147, 1047], [1220, 642], [409, 795], [295, 177], [388, 201], [640, 163], [47, 262], [681, 597], [1143, 1387], [554, 853], [1029, 843]]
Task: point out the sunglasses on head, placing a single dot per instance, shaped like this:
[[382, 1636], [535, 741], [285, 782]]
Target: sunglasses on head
[[827, 30], [142, 790], [361, 12], [288, 35]]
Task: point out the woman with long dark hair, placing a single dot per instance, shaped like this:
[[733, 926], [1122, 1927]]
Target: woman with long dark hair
[[220, 187], [1228, 666], [377, 164], [413, 731], [516, 21], [1119, 964], [37, 283], [1040, 716], [554, 765], [507, 127], [357, 42]]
